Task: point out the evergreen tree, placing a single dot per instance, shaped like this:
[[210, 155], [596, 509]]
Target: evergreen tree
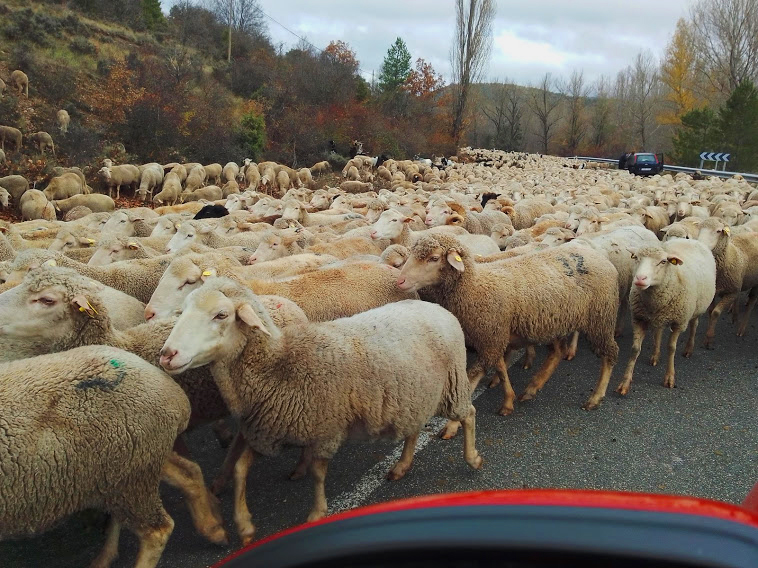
[[152, 14], [699, 133], [396, 67], [738, 126]]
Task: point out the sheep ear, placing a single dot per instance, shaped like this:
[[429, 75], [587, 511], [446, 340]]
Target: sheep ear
[[726, 230], [132, 246], [205, 229], [81, 303], [86, 242], [675, 260], [247, 314], [633, 252], [508, 210], [208, 273], [455, 260], [408, 220]]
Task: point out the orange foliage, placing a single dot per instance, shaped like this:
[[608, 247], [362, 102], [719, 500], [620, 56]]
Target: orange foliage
[[423, 80], [113, 99], [342, 53]]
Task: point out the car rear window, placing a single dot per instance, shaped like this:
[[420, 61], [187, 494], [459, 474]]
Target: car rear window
[[645, 159]]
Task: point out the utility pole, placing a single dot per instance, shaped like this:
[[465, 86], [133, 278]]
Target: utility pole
[[229, 50]]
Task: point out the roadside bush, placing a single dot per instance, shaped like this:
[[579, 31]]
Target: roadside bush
[[82, 45]]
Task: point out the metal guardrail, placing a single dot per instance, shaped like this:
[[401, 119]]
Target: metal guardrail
[[752, 178]]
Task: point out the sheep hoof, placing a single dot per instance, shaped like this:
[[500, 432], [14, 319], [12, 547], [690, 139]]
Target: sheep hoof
[[526, 366], [247, 535], [687, 353], [526, 397], [477, 462], [494, 382], [653, 360], [591, 404], [218, 486], [397, 472], [570, 356], [505, 410], [668, 381], [623, 389], [316, 515], [450, 430]]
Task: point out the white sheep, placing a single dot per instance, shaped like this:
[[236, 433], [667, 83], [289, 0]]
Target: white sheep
[[224, 325], [63, 120], [673, 285]]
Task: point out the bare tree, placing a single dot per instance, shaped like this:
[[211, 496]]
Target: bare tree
[[469, 54], [726, 39], [544, 104], [576, 122], [643, 89], [243, 16], [601, 114], [505, 114]]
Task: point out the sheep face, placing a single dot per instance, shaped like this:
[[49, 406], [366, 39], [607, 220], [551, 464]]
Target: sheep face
[[427, 264], [66, 240], [180, 278], [186, 235], [556, 236], [437, 215], [105, 173], [114, 252], [4, 196], [293, 210], [119, 224], [395, 255], [712, 231], [270, 248], [651, 266], [210, 326], [39, 312], [164, 227], [390, 225], [320, 201]]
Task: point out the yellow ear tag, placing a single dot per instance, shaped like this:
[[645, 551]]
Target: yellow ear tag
[[89, 310], [207, 273], [674, 261], [91, 241], [726, 230], [50, 262], [458, 258], [178, 225]]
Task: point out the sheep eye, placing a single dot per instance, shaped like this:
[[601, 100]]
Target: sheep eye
[[46, 301], [434, 259], [122, 221], [190, 236], [221, 316], [663, 262]]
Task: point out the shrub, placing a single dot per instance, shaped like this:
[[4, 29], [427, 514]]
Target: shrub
[[252, 134], [82, 45]]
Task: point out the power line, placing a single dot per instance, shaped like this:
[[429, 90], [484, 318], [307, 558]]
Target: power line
[[321, 51]]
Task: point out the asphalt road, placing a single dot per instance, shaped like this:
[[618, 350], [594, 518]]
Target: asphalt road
[[699, 439]]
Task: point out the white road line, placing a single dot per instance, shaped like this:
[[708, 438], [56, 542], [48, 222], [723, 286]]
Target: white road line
[[375, 476]]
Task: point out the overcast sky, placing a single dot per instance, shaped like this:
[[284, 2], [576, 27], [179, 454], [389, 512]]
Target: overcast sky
[[530, 36]]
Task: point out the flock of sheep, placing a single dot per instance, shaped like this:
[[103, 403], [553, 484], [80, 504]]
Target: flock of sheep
[[41, 140], [280, 305]]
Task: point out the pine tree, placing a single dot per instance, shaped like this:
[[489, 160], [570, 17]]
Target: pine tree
[[396, 67], [738, 126], [699, 132], [151, 12]]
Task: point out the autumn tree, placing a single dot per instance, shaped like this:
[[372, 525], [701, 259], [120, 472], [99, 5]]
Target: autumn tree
[[678, 74], [545, 105], [395, 68], [116, 95], [469, 54], [423, 81], [342, 54]]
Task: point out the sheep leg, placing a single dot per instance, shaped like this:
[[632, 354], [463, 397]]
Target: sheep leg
[[735, 309], [668, 379], [554, 356], [470, 453], [509, 395], [657, 346], [573, 346], [406, 458], [232, 455], [242, 517], [152, 541], [691, 339], [306, 456], [475, 374], [530, 353], [623, 308], [601, 387], [752, 298], [713, 318], [109, 553], [186, 476], [638, 335], [223, 434], [318, 471]]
